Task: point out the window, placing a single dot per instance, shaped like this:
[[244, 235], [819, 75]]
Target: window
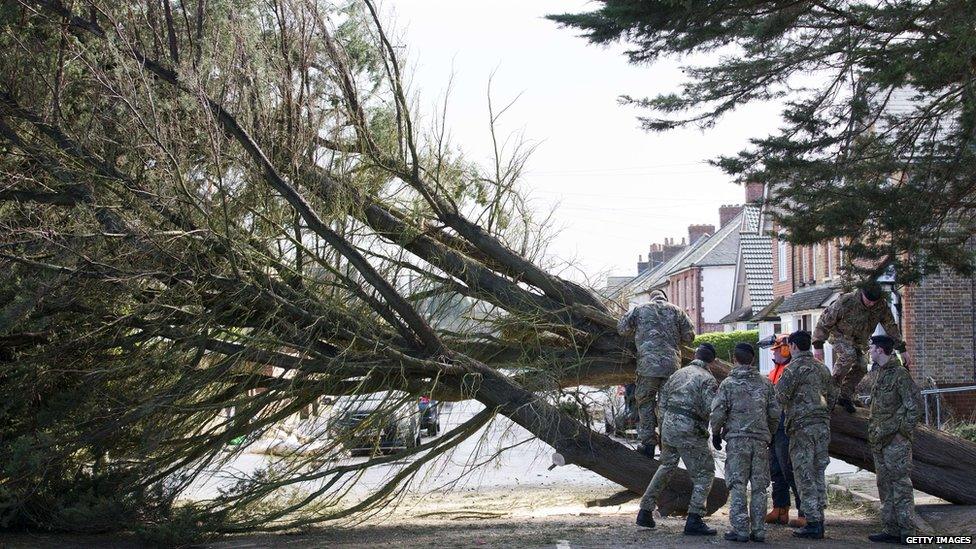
[[781, 259], [804, 273], [804, 323], [816, 262], [830, 258]]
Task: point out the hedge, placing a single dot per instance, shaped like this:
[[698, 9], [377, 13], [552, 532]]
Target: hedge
[[724, 342]]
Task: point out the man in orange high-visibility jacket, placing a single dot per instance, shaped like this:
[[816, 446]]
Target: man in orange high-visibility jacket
[[780, 466]]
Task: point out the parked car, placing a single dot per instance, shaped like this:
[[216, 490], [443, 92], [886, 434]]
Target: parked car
[[376, 422], [430, 416], [620, 411]]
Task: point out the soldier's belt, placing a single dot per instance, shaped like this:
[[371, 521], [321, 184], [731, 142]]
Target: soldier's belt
[[687, 412]]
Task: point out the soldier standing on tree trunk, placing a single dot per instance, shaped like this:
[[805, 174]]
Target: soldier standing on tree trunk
[[894, 413], [848, 323], [685, 405], [659, 329], [807, 394]]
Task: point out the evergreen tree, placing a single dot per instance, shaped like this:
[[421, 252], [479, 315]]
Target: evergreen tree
[[877, 142]]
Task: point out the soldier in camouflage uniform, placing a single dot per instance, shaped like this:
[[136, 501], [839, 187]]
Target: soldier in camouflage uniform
[[745, 413], [894, 413], [807, 394], [848, 323], [659, 329], [684, 405]]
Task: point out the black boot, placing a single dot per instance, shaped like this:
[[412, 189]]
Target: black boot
[[884, 537], [695, 526], [645, 518], [758, 538], [646, 449], [847, 404], [813, 530], [732, 536]]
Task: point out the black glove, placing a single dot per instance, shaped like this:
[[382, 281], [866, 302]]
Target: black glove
[[717, 440]]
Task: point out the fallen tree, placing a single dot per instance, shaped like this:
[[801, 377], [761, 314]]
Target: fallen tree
[[188, 263], [196, 225]]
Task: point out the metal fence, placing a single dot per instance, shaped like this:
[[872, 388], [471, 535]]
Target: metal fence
[[935, 394]]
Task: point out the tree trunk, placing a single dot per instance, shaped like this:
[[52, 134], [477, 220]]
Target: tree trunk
[[587, 448], [942, 465]]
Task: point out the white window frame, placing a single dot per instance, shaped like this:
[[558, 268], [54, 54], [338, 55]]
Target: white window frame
[[781, 263]]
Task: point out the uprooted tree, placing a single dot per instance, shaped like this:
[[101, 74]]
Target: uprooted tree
[[222, 206], [213, 206]]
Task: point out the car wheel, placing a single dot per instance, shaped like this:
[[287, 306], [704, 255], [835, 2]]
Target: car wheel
[[432, 430]]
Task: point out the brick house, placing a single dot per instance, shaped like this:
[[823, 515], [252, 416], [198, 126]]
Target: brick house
[[939, 324], [699, 277], [937, 316]]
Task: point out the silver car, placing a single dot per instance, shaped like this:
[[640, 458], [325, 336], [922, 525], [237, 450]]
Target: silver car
[[377, 422]]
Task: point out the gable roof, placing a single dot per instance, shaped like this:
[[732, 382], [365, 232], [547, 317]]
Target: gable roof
[[721, 248], [757, 260], [808, 298]]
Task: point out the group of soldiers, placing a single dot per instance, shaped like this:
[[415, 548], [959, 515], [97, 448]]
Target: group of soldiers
[[776, 426]]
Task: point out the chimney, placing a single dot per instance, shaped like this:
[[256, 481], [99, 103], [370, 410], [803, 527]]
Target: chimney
[[696, 231], [644, 265], [727, 213], [754, 192]]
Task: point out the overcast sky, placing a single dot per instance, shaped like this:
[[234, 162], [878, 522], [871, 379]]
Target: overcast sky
[[614, 187]]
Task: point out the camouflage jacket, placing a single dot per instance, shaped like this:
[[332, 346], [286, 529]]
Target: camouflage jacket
[[745, 406], [684, 404], [848, 320], [659, 329], [806, 392], [895, 404]]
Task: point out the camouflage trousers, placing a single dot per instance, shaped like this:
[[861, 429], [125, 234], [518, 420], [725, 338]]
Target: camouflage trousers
[[893, 467], [701, 468], [646, 395], [808, 452], [747, 461], [849, 367]]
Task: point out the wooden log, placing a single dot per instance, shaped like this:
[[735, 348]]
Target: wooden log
[[586, 448]]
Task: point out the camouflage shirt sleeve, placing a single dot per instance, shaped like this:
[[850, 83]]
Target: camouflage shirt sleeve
[[708, 389], [720, 409], [910, 399], [685, 328], [826, 324], [891, 328], [773, 408], [786, 385], [625, 325]]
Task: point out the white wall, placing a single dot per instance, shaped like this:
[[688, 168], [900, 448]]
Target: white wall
[[791, 323], [765, 357], [638, 299], [718, 285]]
